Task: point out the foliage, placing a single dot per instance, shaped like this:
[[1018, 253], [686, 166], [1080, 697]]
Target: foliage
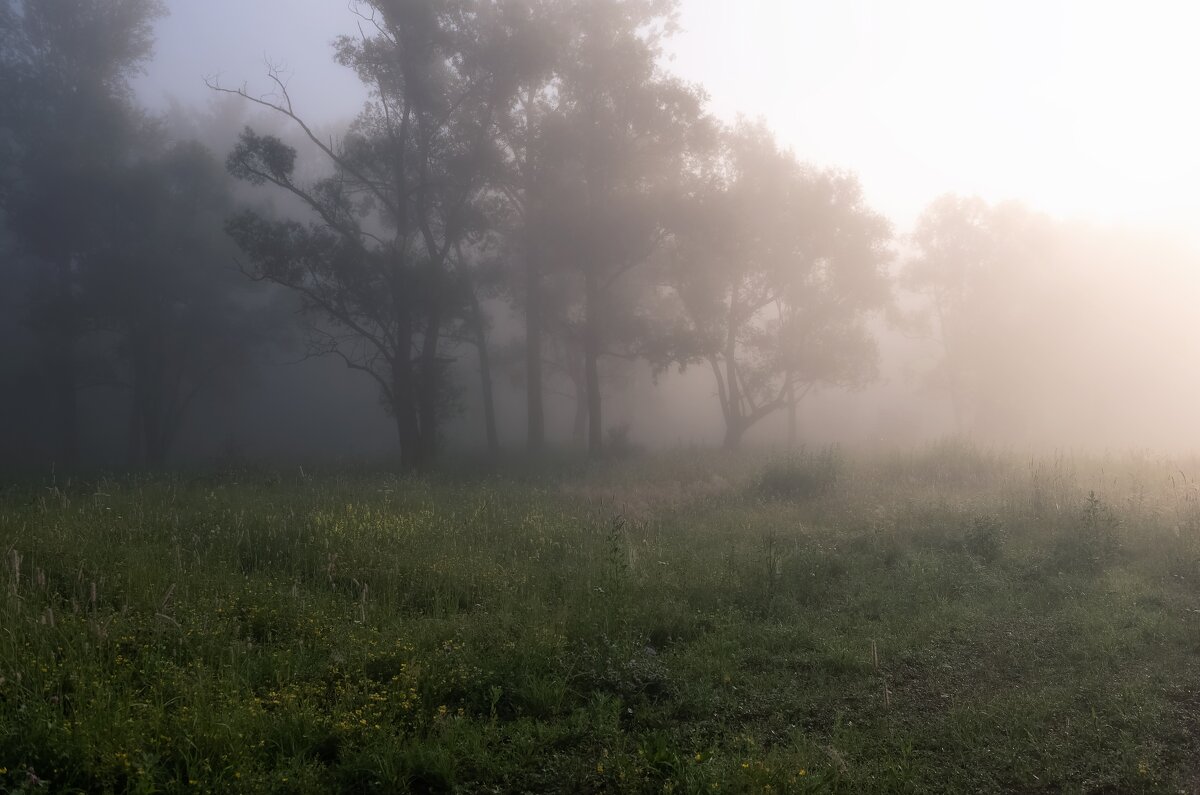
[[374, 268], [776, 268], [119, 258]]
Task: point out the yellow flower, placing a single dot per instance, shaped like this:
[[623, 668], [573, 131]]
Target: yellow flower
[[803, 772]]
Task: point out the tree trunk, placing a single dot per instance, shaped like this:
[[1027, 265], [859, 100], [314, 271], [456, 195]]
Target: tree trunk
[[734, 430], [149, 400], [534, 403], [791, 399], [404, 407], [427, 393], [591, 364], [405, 412], [64, 376], [536, 440], [579, 428], [133, 437], [735, 424], [485, 376]]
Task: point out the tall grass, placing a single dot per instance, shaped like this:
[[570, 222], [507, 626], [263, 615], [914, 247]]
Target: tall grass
[[954, 621]]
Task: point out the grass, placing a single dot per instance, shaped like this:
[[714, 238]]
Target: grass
[[947, 620]]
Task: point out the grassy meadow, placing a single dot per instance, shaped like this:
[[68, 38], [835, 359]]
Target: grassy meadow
[[946, 620]]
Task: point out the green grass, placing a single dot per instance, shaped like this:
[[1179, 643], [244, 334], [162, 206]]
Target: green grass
[[945, 620]]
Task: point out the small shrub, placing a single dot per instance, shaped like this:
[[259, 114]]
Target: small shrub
[[1090, 541], [801, 476], [985, 538]]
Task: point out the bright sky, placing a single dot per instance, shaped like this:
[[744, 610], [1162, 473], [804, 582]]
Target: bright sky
[[1081, 108]]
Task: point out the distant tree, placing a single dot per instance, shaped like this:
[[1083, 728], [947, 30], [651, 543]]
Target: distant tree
[[613, 151], [67, 128], [954, 247], [978, 270], [775, 268], [164, 286], [522, 186], [480, 278], [374, 267]]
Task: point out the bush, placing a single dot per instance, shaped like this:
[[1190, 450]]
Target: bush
[[801, 476], [985, 538], [1091, 540]]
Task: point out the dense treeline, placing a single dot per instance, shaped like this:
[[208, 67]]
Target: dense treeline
[[516, 159]]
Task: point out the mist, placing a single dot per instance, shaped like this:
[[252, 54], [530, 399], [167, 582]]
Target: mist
[[988, 282], [648, 396]]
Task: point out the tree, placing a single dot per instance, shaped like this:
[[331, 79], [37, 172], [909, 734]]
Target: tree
[[163, 286], [522, 184], [373, 266], [775, 268], [954, 245], [613, 150], [979, 270], [68, 127]]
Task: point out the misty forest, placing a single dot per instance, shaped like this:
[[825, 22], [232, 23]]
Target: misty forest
[[667, 396]]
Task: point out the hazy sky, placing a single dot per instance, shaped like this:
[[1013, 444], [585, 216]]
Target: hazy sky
[[1079, 108]]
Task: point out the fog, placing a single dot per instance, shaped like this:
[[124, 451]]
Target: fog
[[475, 228]]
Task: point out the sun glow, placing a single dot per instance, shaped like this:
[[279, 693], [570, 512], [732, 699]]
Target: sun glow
[[1078, 108]]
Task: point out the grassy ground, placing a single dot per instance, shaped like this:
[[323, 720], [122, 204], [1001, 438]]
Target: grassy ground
[[949, 620]]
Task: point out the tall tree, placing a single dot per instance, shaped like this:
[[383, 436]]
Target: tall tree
[[614, 150], [775, 268], [522, 184], [67, 127], [373, 267], [163, 286]]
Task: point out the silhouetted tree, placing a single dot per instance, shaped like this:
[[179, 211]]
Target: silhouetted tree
[[163, 285], [403, 193], [67, 128]]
